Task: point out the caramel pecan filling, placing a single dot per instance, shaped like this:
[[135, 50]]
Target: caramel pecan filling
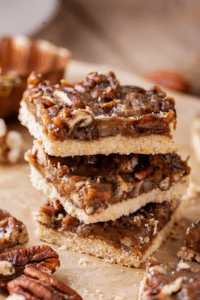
[[98, 107], [192, 237], [170, 281], [134, 233], [94, 182]]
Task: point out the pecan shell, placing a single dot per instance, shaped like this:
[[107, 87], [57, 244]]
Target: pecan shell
[[43, 258], [35, 285]]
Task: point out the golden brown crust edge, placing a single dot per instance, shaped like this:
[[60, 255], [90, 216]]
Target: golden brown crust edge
[[114, 211], [100, 248], [151, 144]]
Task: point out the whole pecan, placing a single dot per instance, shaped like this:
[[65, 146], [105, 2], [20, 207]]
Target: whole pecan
[[43, 258], [35, 285]]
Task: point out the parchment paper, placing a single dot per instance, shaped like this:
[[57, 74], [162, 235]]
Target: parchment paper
[[99, 279]]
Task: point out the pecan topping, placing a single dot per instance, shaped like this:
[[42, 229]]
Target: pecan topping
[[38, 285], [12, 231], [98, 107], [44, 258]]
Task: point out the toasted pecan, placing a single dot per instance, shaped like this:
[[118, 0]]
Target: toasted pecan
[[38, 285], [43, 258]]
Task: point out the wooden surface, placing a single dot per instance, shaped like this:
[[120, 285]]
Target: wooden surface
[[137, 36], [99, 279]]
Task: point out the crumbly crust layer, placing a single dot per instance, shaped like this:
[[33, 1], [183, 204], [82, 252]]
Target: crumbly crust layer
[[100, 248], [113, 211], [150, 144]]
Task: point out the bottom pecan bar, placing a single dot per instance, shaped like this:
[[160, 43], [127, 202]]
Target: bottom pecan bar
[[128, 240], [12, 231], [191, 249], [35, 285], [169, 281]]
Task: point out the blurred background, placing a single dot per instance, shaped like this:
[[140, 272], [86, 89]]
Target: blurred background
[[137, 36]]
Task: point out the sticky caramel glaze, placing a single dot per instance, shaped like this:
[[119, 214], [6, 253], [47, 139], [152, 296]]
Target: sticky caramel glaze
[[134, 232], [169, 281], [192, 237], [94, 182], [98, 107]]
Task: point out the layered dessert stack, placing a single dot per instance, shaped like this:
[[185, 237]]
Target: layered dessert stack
[[104, 154]]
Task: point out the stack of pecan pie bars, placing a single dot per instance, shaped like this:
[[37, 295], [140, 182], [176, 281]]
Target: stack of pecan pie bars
[[105, 156]]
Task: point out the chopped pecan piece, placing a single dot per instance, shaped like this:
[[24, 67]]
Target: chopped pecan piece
[[143, 174], [12, 231], [38, 285], [44, 258]]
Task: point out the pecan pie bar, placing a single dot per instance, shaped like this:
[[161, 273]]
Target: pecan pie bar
[[169, 281], [12, 231], [98, 116], [191, 248], [127, 241], [100, 188]]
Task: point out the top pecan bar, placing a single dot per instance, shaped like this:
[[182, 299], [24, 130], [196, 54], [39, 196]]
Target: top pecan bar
[[98, 116]]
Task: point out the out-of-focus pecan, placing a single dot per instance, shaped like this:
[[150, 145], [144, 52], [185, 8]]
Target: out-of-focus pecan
[[38, 285], [43, 257], [12, 231], [169, 79]]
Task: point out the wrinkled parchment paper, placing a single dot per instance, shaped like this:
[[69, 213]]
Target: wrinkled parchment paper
[[98, 279]]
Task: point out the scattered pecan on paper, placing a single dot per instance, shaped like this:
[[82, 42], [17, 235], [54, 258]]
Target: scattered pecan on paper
[[13, 263]]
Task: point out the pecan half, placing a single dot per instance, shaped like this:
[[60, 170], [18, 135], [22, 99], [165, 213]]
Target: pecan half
[[12, 231], [38, 285], [44, 258]]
